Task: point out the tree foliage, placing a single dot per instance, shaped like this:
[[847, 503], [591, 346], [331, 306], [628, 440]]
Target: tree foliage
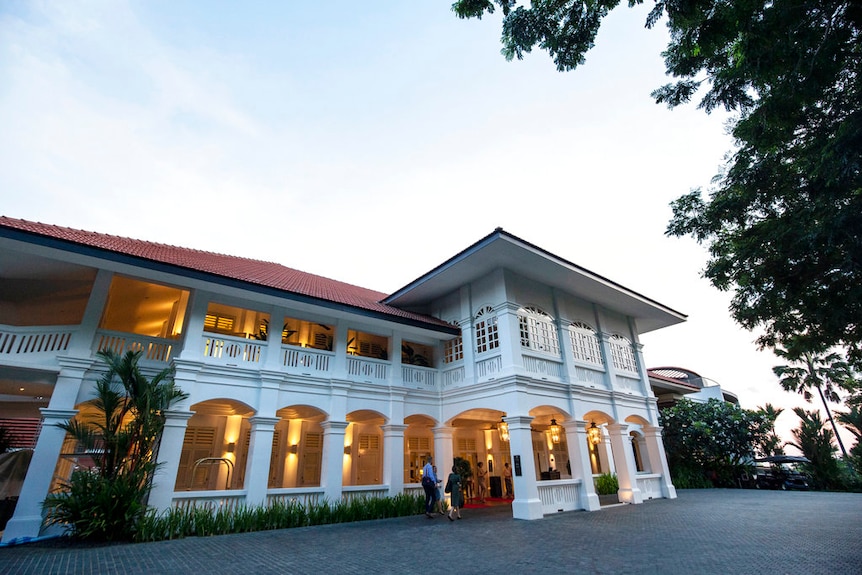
[[715, 439], [106, 501], [783, 221], [814, 440]]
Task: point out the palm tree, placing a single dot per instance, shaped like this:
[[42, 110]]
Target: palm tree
[[826, 373], [815, 443], [122, 434], [852, 420], [770, 444]]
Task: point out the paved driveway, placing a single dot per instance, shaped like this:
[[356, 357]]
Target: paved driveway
[[701, 532]]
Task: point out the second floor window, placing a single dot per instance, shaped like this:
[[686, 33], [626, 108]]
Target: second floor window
[[453, 350], [585, 344], [487, 336], [538, 330], [623, 354]]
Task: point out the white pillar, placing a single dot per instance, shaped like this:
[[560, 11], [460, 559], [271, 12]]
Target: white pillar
[[625, 463], [333, 458], [527, 504], [170, 449], [444, 452], [27, 521], [658, 460], [393, 458], [259, 455], [579, 455]]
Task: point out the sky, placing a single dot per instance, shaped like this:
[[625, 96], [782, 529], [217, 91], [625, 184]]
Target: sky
[[368, 142]]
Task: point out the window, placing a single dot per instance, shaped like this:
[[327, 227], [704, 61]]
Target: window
[[585, 344], [487, 337], [367, 345], [623, 354], [303, 333], [236, 321], [538, 330], [453, 350], [417, 354]]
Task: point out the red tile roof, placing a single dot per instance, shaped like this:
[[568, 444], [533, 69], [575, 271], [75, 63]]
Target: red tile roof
[[266, 274]]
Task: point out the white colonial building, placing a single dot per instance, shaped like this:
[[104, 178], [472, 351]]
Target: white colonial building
[[302, 387]]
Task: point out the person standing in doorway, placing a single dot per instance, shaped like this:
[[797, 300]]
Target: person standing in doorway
[[429, 484], [481, 474], [507, 479]]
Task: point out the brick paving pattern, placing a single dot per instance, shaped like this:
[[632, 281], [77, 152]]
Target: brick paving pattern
[[702, 532]]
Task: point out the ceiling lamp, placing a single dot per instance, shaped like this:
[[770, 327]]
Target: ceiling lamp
[[503, 428], [595, 434], [555, 431]]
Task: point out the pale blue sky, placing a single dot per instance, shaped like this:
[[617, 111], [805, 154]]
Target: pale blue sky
[[365, 141]]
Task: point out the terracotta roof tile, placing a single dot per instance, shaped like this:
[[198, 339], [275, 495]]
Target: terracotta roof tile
[[267, 274]]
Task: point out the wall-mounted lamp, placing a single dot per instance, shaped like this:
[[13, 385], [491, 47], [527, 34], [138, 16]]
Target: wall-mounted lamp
[[348, 449], [231, 447], [555, 431], [293, 448], [503, 428], [595, 434]]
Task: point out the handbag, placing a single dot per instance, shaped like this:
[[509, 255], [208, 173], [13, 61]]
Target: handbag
[[448, 487], [427, 481]]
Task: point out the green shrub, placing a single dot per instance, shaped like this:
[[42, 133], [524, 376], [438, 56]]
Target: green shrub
[[205, 520], [607, 484]]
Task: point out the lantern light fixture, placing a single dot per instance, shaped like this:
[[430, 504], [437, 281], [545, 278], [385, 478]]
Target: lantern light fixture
[[503, 428], [595, 434], [555, 431]]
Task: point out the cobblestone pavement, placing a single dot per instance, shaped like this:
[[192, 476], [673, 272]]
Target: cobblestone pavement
[[701, 532]]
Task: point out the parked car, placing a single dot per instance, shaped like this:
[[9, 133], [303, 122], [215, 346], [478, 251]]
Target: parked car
[[780, 472]]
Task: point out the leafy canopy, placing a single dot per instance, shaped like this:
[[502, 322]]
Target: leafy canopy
[[783, 221]]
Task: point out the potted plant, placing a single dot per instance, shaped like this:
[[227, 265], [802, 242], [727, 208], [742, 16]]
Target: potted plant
[[607, 488]]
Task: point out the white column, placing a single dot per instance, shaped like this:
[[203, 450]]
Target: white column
[[82, 339], [333, 458], [510, 338], [527, 504], [579, 456], [444, 452], [393, 458], [658, 460], [193, 330], [625, 463], [259, 455], [27, 521], [170, 449]]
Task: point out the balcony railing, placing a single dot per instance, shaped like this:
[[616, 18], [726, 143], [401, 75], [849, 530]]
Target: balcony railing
[[33, 340], [367, 369], [305, 360], [421, 377], [559, 495], [151, 348], [232, 351]]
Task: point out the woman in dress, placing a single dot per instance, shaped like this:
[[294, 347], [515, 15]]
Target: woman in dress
[[454, 488]]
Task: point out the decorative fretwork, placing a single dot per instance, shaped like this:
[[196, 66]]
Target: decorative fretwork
[[585, 344], [487, 336], [538, 330], [623, 354]]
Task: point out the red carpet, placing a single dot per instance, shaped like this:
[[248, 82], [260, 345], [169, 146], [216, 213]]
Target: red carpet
[[489, 502]]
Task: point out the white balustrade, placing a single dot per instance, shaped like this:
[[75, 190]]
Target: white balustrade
[[543, 367], [305, 360], [489, 367], [32, 340], [209, 499], [649, 485], [367, 369], [559, 495], [590, 377], [351, 492], [232, 351], [304, 496], [421, 377], [454, 376], [151, 348]]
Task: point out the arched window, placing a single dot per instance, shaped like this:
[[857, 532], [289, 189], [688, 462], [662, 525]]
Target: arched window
[[538, 330], [487, 336], [623, 354], [585, 344]]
